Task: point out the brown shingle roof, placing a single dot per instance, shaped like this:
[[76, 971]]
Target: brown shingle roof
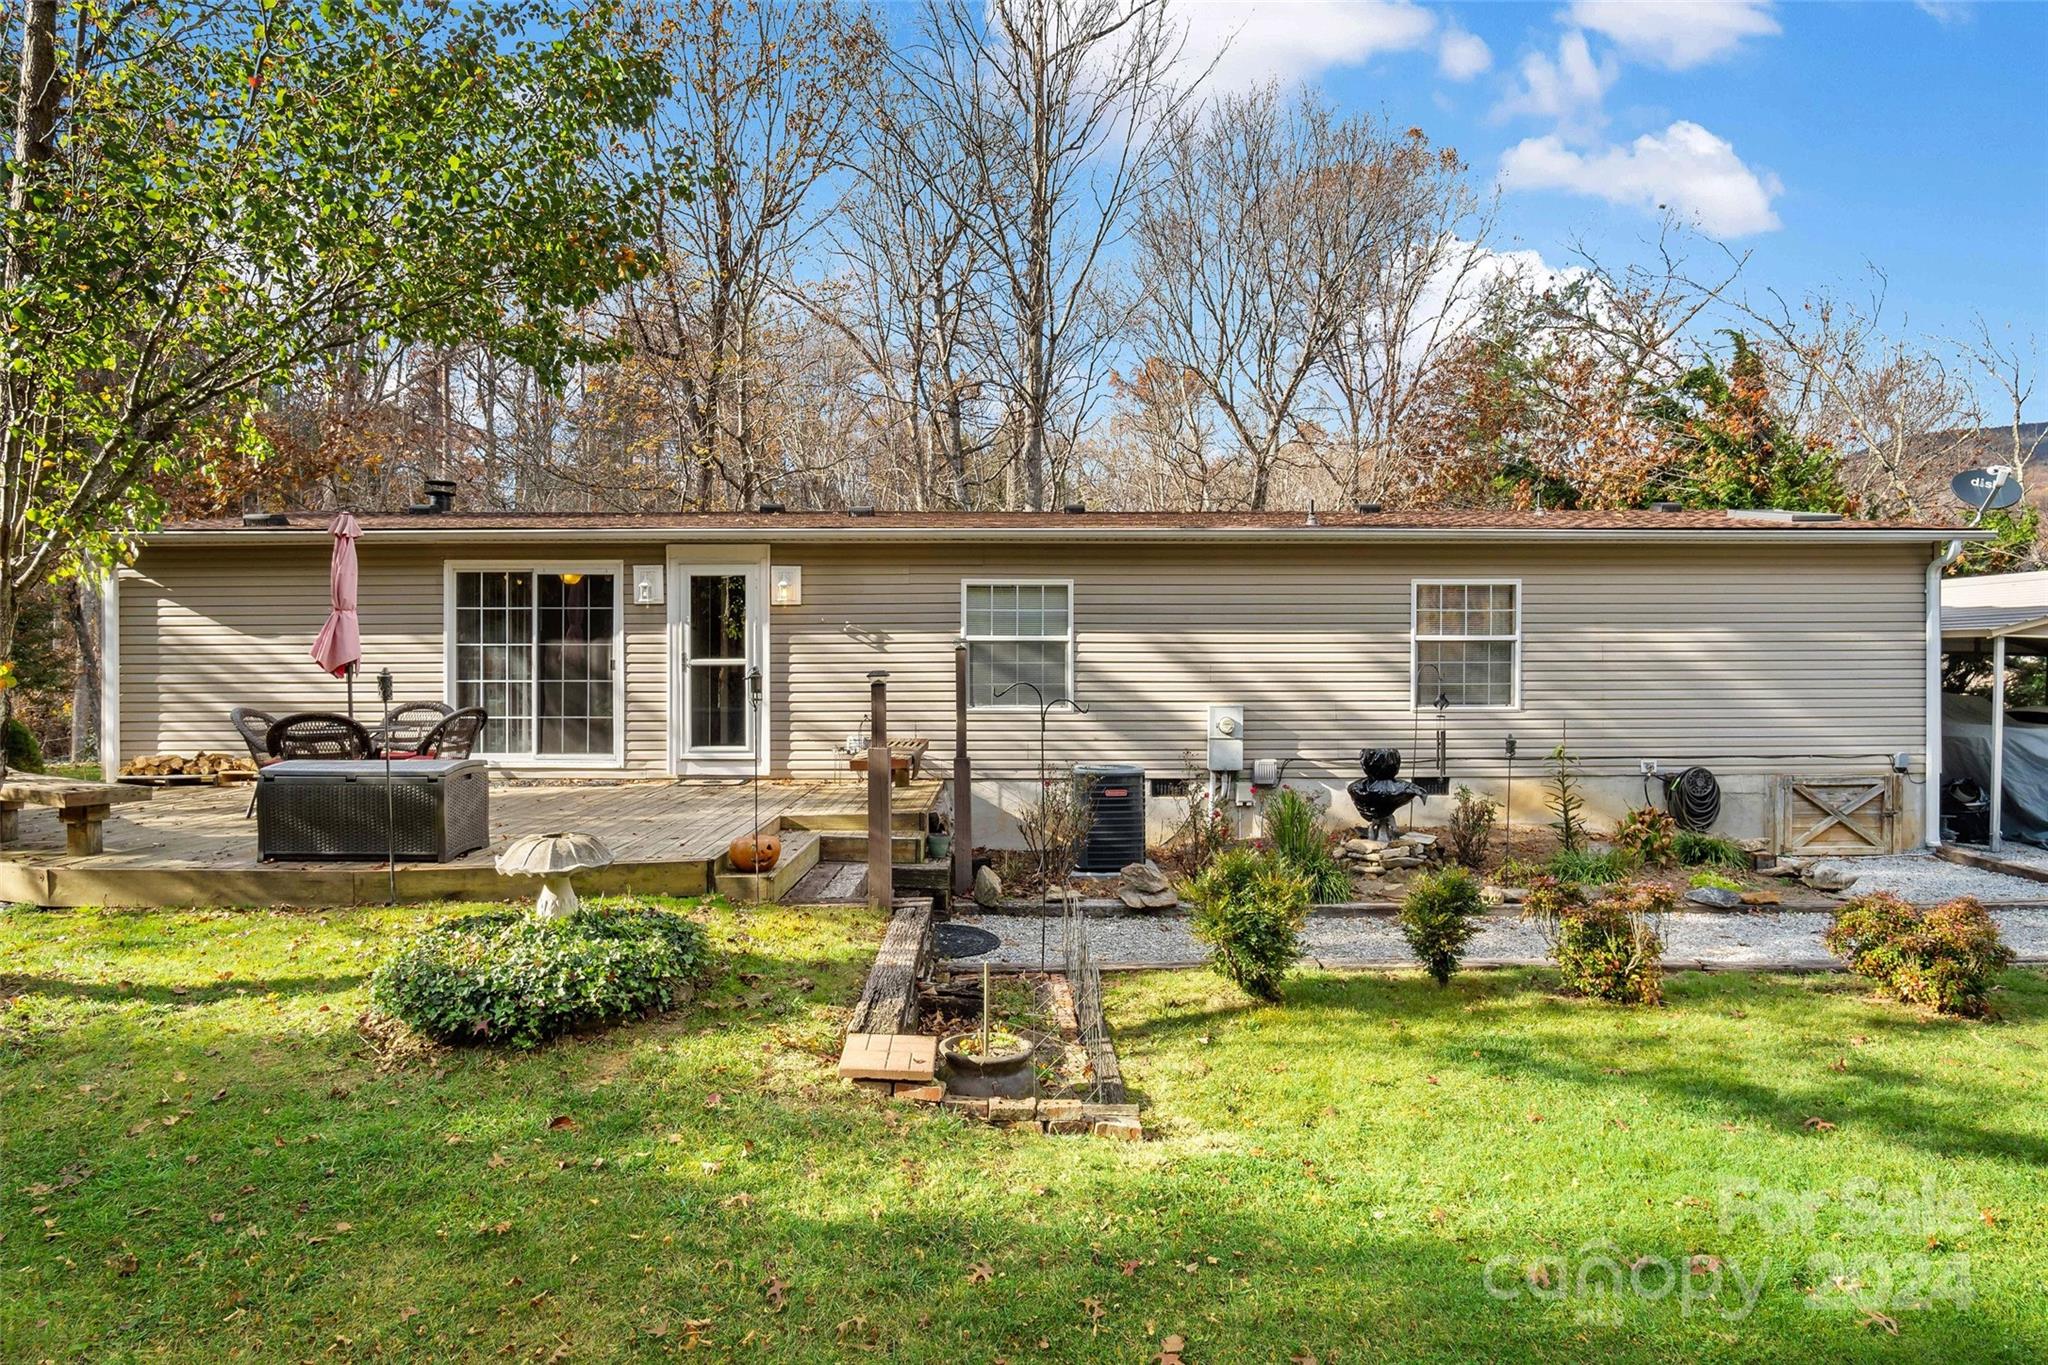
[[997, 523]]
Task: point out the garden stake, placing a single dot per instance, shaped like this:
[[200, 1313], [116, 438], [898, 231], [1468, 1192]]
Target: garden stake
[[1508, 807], [984, 1011]]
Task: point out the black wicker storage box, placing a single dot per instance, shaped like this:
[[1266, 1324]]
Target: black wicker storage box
[[322, 809]]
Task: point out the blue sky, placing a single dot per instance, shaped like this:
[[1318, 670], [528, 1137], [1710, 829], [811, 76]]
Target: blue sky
[[1818, 137]]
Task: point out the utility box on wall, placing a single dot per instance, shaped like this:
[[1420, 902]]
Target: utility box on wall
[[1226, 739]]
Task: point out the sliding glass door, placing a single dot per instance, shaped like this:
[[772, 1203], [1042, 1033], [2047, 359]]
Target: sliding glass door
[[537, 649]]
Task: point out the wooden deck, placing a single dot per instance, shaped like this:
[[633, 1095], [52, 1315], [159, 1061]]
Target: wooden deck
[[193, 845]]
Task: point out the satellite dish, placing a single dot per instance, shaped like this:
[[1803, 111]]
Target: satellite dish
[[1985, 489]]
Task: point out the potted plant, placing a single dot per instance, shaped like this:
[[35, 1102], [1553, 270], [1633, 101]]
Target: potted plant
[[988, 1062]]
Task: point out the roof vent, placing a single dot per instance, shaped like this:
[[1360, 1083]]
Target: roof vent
[[1368, 508], [1665, 507], [265, 519], [1311, 513], [1075, 509], [771, 508], [1782, 515], [860, 511], [440, 499]]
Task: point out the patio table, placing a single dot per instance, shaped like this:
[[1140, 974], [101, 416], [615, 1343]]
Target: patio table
[[81, 806]]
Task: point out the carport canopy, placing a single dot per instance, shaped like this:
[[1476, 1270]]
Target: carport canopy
[[1984, 614]]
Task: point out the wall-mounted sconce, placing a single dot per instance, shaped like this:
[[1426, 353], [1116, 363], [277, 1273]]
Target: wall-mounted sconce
[[786, 585]]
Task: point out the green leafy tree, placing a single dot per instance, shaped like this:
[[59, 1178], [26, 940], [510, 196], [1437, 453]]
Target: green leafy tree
[[1730, 447], [202, 197]]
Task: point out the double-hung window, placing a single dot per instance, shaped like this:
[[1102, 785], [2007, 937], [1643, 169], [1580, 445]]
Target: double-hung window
[[1467, 643], [537, 649], [1018, 633]]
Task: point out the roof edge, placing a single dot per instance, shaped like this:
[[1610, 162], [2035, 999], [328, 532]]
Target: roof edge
[[1764, 532]]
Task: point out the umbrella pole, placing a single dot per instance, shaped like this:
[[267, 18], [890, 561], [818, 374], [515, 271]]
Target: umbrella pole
[[351, 691]]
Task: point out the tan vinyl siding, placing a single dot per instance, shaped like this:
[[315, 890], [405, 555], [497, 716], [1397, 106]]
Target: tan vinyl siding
[[1750, 658], [207, 629]]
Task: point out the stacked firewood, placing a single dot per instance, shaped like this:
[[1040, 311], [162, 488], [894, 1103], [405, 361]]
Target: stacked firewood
[[201, 764]]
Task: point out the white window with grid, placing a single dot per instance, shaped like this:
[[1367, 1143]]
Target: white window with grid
[[1018, 633], [1467, 643]]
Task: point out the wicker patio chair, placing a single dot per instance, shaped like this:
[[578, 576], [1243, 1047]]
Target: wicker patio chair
[[406, 724], [254, 728], [318, 734], [454, 737]]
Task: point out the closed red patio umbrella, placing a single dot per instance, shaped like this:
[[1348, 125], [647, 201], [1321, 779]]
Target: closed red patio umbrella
[[339, 646]]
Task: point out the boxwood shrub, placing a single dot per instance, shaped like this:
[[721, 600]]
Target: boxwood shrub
[[1945, 958], [506, 977], [1438, 918], [1249, 908]]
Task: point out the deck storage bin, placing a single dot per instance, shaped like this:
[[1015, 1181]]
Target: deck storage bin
[[335, 810]]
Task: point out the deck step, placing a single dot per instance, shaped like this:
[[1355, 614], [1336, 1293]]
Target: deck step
[[854, 821], [851, 846], [800, 850], [830, 883]]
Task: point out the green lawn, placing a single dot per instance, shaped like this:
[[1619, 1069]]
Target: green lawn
[[202, 1158]]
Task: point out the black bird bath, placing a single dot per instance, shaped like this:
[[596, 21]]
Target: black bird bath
[[1382, 791]]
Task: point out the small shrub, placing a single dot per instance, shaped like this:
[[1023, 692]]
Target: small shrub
[[1608, 949], [1439, 916], [1294, 828], [1714, 881], [507, 977], [1518, 872], [1055, 830], [1249, 908], [1471, 828], [1694, 849], [1203, 833], [1945, 958], [1565, 803], [1549, 900], [1597, 869], [24, 753], [1648, 833]]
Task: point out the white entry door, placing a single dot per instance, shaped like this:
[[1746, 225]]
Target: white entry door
[[716, 662]]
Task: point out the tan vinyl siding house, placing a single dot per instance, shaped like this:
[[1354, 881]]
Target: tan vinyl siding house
[[1758, 649]]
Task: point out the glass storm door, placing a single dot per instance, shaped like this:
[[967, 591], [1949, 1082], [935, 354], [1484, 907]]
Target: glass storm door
[[717, 610]]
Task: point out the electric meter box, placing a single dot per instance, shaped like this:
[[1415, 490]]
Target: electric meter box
[[1226, 739]]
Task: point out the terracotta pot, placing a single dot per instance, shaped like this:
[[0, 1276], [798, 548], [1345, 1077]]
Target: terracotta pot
[[751, 854]]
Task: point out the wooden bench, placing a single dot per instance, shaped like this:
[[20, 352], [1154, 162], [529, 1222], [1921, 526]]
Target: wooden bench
[[81, 805]]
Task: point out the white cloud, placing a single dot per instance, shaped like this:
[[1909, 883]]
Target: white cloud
[[1675, 34], [1567, 88], [1461, 55], [1685, 168], [1253, 43], [1946, 12]]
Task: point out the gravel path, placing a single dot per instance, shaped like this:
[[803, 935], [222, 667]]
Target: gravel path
[[1765, 940], [1924, 878]]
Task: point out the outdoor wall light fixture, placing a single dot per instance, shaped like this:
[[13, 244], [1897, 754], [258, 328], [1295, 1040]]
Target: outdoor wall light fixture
[[787, 586]]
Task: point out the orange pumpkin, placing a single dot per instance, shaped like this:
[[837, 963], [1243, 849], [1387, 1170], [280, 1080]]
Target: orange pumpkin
[[752, 854]]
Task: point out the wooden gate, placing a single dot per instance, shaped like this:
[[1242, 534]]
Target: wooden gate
[[1838, 815]]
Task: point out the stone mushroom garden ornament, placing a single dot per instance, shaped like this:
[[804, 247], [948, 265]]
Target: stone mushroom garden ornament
[[553, 858]]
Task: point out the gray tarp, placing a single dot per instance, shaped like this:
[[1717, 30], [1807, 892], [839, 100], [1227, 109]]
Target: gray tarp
[[1966, 752]]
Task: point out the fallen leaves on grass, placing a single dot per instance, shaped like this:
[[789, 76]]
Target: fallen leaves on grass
[[1815, 1124], [562, 1123], [1879, 1321], [981, 1273], [776, 1290], [1171, 1348]]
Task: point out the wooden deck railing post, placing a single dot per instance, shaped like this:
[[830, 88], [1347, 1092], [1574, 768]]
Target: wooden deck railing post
[[881, 776], [963, 781]]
